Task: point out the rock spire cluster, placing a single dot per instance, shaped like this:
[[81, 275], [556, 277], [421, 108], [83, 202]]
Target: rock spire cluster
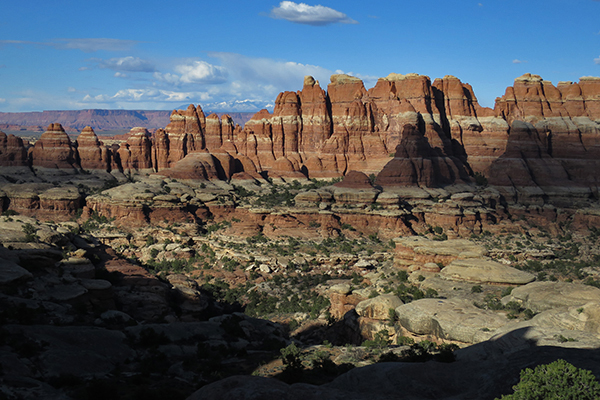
[[538, 140]]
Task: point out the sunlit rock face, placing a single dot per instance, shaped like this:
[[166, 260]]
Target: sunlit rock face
[[54, 150], [540, 141], [92, 154]]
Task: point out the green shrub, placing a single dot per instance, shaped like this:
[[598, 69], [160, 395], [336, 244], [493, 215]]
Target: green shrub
[[557, 380], [30, 233], [476, 289], [404, 341], [290, 356], [480, 179], [381, 340]]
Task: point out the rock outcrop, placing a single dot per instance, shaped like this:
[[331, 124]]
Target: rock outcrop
[[136, 154], [540, 144], [54, 150], [92, 154], [12, 151], [485, 271]]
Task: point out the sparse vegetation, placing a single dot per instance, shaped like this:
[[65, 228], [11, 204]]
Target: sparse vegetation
[[557, 380]]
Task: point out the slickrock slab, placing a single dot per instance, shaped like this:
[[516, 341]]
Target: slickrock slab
[[77, 350], [541, 296], [450, 319], [378, 307], [553, 328], [485, 271], [584, 318], [11, 272], [70, 292], [254, 387], [79, 267], [456, 247]]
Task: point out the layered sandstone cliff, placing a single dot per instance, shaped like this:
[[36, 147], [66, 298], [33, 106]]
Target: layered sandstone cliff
[[540, 141]]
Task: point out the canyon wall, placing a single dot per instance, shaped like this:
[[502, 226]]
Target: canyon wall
[[539, 142]]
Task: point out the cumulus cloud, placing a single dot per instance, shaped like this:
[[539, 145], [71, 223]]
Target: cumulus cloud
[[301, 13], [597, 60], [194, 72], [233, 82], [88, 45], [125, 64], [201, 72]]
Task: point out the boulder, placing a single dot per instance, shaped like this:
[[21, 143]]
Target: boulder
[[541, 296], [485, 271], [449, 319], [378, 307]]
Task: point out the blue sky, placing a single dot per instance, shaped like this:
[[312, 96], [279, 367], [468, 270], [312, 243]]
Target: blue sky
[[238, 55]]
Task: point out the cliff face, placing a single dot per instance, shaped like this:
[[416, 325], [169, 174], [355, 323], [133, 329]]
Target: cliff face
[[540, 140], [554, 133], [12, 151], [54, 150]]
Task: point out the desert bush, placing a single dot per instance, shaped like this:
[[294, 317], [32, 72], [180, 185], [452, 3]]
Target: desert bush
[[380, 341], [30, 233], [290, 356], [476, 289], [557, 380], [405, 341]]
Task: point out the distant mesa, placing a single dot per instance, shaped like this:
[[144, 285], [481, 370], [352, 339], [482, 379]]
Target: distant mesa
[[539, 142]]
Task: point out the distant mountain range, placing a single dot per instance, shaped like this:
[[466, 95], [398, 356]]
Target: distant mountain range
[[98, 119]]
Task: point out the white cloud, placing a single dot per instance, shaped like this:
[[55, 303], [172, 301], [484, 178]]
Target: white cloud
[[220, 85], [168, 78], [301, 13], [2, 100], [147, 95], [194, 72], [201, 72], [71, 89], [238, 106], [124, 64], [516, 61], [597, 60]]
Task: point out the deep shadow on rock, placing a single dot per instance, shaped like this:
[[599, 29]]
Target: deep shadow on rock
[[483, 371]]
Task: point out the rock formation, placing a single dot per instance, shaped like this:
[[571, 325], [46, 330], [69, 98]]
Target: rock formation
[[12, 151], [540, 143], [417, 163], [54, 150], [92, 154], [136, 154]]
